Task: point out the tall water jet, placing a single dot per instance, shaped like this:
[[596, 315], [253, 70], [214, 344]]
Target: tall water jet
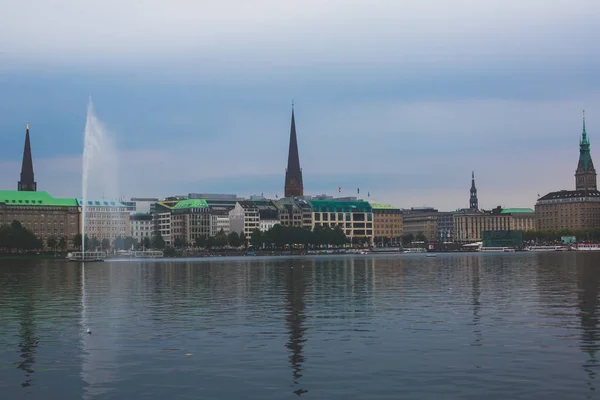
[[99, 174]]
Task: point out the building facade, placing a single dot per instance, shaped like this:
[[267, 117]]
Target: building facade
[[141, 226], [190, 220], [421, 221], [470, 225], [219, 220], [387, 224], [445, 226], [106, 219], [244, 218], [294, 212], [355, 218], [46, 216], [573, 209]]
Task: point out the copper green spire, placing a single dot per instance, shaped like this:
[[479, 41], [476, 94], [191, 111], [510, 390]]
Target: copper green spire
[[585, 176]]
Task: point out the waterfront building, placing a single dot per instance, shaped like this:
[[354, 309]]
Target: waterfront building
[[161, 216], [387, 224], [141, 225], [44, 215], [294, 212], [573, 209], [219, 220], [190, 219], [421, 221], [445, 226], [27, 182], [244, 217], [354, 217], [294, 185], [106, 219], [470, 225], [268, 218]]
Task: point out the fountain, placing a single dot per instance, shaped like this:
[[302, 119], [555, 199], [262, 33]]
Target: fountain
[[99, 176]]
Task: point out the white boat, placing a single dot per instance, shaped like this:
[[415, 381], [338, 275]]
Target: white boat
[[88, 256], [546, 248], [430, 255], [148, 254], [587, 247], [497, 249]]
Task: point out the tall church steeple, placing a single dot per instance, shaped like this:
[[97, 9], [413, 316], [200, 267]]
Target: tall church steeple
[[585, 176], [473, 202], [27, 182], [293, 174]]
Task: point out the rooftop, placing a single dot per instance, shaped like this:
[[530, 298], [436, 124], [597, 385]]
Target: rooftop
[[339, 205], [192, 203], [17, 198], [570, 194], [102, 203], [517, 211]]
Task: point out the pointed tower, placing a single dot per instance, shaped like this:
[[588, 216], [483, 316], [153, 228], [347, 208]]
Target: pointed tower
[[27, 182], [293, 174], [585, 176], [473, 203]]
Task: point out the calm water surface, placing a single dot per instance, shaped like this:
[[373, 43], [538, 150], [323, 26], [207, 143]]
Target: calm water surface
[[518, 326]]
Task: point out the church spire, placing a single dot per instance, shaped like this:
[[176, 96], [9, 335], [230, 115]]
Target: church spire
[[293, 173], [27, 182], [585, 176], [473, 202]]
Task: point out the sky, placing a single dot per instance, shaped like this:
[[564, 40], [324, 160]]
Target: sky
[[400, 99]]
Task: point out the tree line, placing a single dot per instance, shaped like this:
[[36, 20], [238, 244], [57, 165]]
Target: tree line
[[592, 235]]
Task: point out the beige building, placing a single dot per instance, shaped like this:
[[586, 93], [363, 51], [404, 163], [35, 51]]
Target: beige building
[[44, 215], [387, 223], [106, 219], [294, 212], [470, 225], [573, 209], [190, 219], [421, 221], [354, 217]]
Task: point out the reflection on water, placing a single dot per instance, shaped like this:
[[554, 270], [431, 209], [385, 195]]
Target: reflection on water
[[29, 341], [295, 318], [343, 327], [588, 280]]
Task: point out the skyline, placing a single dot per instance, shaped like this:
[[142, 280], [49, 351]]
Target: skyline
[[437, 91]]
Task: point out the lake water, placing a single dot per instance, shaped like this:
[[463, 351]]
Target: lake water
[[499, 326]]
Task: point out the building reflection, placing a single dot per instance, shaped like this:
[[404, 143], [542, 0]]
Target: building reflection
[[588, 280], [295, 318], [29, 341], [475, 295]]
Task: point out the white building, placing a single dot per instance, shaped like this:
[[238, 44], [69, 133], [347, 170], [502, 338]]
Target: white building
[[219, 220], [143, 204], [244, 217], [141, 226], [269, 217], [106, 219]]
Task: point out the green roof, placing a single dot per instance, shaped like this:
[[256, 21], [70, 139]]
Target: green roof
[[17, 198], [192, 203], [517, 211], [340, 206]]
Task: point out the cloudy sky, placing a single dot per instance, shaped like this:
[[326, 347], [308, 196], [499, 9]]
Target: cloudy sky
[[400, 99]]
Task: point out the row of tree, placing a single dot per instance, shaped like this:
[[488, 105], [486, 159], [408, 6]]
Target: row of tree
[[553, 236], [16, 237], [280, 236]]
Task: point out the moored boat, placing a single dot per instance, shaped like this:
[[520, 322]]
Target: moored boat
[[88, 256]]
